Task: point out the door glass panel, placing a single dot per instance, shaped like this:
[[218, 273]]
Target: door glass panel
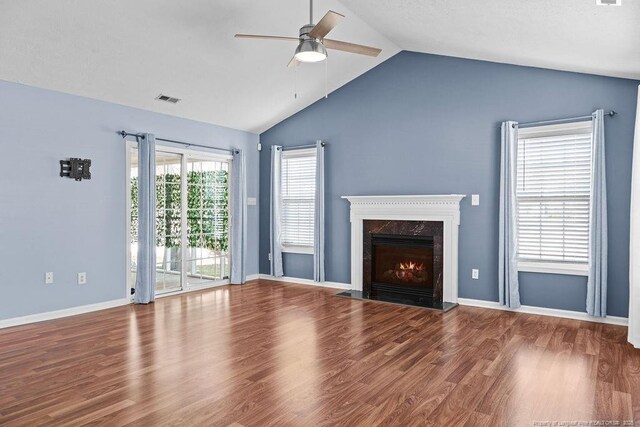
[[207, 221], [168, 222], [133, 217]]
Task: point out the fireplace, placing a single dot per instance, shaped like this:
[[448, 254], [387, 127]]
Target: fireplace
[[402, 267], [405, 231], [402, 262]]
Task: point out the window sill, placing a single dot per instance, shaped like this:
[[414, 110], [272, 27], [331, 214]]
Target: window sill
[[298, 250], [553, 268]]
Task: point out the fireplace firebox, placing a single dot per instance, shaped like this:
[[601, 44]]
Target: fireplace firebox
[[402, 268]]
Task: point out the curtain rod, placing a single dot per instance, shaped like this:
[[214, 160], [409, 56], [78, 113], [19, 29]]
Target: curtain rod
[[298, 147], [568, 119], [124, 134]]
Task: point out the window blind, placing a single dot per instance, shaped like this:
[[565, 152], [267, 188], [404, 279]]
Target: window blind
[[553, 185], [298, 197]]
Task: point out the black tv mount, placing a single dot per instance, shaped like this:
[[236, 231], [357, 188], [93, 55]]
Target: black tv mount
[[75, 168]]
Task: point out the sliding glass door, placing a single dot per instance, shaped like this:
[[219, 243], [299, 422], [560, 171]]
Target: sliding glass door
[[207, 220], [192, 218]]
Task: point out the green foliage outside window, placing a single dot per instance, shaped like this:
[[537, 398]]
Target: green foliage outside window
[[207, 210]]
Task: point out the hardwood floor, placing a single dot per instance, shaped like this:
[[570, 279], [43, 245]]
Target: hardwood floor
[[268, 353]]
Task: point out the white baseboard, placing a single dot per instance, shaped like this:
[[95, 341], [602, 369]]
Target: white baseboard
[[529, 309], [542, 311], [40, 317], [50, 315], [299, 281]]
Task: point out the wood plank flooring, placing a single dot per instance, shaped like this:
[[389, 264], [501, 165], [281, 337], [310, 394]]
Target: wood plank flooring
[[274, 354]]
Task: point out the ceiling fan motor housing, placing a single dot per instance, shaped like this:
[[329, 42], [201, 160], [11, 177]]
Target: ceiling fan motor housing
[[304, 32]]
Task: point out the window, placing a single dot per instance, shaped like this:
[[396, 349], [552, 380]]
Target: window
[[553, 187], [298, 200]]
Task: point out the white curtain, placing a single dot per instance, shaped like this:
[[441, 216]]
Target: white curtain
[[597, 280], [634, 250], [275, 233], [318, 221], [509, 289], [146, 272], [238, 190]]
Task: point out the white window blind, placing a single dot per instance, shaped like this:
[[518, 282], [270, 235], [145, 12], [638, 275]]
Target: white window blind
[[553, 185], [298, 197]]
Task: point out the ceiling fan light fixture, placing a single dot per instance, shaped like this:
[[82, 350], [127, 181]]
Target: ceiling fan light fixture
[[310, 51]]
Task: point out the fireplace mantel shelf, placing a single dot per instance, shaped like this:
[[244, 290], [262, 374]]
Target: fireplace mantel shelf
[[423, 207], [432, 207], [400, 199]]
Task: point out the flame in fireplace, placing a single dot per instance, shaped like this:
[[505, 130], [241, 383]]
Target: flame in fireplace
[[410, 265]]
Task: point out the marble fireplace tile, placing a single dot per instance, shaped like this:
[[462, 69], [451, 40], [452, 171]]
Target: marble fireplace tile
[[405, 228]]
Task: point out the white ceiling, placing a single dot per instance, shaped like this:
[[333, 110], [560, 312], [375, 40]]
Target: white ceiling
[[572, 35], [128, 52]]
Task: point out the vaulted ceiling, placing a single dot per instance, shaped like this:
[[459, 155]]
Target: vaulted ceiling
[[572, 35], [128, 52]]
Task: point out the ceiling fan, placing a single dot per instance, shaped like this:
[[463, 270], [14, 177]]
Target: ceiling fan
[[312, 46]]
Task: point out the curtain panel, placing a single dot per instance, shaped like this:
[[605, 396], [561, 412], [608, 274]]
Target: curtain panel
[[634, 249], [509, 288], [238, 189], [275, 213], [318, 222], [146, 270], [597, 280]]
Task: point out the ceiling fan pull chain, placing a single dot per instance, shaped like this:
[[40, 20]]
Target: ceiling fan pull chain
[[295, 81]]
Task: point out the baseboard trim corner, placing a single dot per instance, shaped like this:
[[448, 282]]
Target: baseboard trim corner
[[300, 281], [66, 312], [543, 311]]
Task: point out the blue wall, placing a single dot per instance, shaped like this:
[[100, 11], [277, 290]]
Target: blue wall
[[48, 223], [427, 124]]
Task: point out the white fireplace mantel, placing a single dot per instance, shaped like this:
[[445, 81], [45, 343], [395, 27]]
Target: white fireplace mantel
[[445, 208]]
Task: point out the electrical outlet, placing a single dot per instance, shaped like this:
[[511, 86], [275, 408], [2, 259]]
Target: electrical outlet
[[475, 273], [82, 278], [48, 277]]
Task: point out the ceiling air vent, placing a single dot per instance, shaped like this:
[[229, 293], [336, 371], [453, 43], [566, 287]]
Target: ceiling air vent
[[609, 2], [166, 98]]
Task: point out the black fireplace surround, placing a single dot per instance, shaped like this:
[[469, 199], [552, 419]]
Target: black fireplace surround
[[402, 262]]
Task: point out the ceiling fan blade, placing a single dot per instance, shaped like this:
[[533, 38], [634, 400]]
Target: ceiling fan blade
[[326, 24], [258, 36], [351, 47], [292, 63]]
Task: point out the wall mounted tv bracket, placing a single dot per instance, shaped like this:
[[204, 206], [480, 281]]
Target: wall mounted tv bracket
[[77, 169]]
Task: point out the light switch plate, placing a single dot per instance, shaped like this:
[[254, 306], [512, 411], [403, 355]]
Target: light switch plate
[[475, 199], [475, 273], [251, 201], [48, 277]]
